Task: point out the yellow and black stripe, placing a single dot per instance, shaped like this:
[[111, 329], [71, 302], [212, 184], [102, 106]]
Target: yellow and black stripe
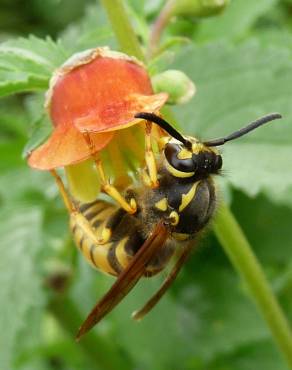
[[125, 240], [86, 233]]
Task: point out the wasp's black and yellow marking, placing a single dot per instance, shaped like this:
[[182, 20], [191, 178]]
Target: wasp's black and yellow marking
[[161, 204], [176, 198], [127, 237]]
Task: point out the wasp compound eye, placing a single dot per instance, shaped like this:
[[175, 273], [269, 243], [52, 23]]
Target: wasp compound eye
[[172, 152], [218, 162]]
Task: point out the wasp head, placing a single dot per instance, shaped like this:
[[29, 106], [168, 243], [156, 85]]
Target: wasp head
[[191, 158], [187, 156]]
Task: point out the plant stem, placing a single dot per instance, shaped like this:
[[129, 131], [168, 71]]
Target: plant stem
[[103, 355], [158, 27], [243, 259], [122, 28], [227, 230]]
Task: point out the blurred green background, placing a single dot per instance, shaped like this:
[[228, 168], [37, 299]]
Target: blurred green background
[[241, 63]]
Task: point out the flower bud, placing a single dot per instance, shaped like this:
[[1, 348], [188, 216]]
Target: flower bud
[[198, 8], [177, 84]]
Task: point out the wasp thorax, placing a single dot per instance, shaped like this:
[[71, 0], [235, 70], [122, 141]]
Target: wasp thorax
[[186, 162]]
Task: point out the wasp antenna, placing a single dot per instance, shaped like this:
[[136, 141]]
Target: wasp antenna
[[165, 125], [244, 130]]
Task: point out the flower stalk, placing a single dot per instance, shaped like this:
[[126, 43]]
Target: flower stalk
[[187, 8], [122, 28], [240, 253], [158, 27]]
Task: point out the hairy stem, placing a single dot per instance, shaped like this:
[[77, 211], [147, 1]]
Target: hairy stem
[[230, 234], [122, 28], [243, 259], [158, 27]]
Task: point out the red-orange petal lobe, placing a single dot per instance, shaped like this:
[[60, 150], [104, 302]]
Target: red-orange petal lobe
[[117, 116], [102, 93], [66, 146]]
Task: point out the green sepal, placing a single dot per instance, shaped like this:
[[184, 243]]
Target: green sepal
[[198, 8], [83, 181], [177, 84]]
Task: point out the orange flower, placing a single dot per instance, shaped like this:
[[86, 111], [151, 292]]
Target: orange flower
[[97, 92]]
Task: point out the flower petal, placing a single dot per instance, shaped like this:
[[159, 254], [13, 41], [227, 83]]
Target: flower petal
[[117, 115], [66, 146], [97, 91], [101, 93]]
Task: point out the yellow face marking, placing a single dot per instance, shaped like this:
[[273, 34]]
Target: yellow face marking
[[180, 236], [198, 148], [187, 198], [161, 204], [174, 218], [178, 173], [184, 154], [215, 150], [121, 255]]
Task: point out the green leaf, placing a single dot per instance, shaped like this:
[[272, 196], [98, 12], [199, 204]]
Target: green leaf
[[235, 21], [27, 64], [42, 53], [13, 120], [258, 355], [215, 298], [18, 182], [20, 286], [16, 82], [41, 131], [91, 31], [11, 151], [235, 85], [267, 227]]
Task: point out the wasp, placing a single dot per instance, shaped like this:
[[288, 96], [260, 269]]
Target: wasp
[[154, 220]]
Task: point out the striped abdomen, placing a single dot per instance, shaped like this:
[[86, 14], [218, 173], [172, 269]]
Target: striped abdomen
[[126, 238]]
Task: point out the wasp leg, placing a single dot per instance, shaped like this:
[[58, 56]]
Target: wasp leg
[[146, 178], [91, 211], [150, 159], [130, 207], [111, 225], [75, 214], [139, 314], [64, 194]]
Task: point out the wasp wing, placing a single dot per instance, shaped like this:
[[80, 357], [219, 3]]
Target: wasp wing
[[137, 315], [127, 280]]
